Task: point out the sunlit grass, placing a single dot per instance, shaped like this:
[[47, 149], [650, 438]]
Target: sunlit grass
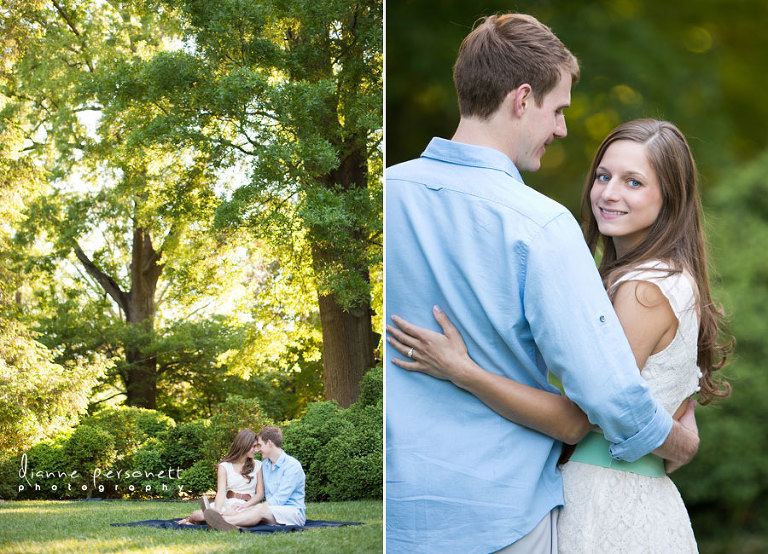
[[84, 527]]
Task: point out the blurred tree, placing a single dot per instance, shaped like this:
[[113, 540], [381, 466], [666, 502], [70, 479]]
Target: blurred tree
[[726, 486], [696, 64]]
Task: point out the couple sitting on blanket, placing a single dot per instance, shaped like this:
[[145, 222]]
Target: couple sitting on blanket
[[244, 482]]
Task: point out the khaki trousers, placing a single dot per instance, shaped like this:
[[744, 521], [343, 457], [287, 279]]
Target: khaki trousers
[[541, 540]]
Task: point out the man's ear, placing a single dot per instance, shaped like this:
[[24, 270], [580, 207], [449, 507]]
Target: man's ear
[[520, 98]]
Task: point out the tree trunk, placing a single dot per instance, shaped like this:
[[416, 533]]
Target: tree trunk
[[140, 379], [141, 376], [347, 349], [138, 305], [348, 339]]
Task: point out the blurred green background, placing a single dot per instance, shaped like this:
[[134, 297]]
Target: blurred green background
[[702, 65]]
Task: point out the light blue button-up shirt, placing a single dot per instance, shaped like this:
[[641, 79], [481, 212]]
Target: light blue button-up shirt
[[284, 485], [509, 266]]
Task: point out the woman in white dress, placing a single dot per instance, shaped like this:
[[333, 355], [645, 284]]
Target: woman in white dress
[[642, 207], [239, 480]]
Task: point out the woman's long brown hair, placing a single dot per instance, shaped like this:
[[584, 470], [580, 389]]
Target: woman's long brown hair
[[239, 448], [676, 237]]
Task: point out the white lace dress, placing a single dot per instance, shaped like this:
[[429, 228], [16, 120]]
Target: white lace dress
[[236, 482], [612, 511]]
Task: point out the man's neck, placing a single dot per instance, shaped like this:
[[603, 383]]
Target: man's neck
[[490, 132], [276, 455]]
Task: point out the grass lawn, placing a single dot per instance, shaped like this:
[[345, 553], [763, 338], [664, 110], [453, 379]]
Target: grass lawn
[[84, 527]]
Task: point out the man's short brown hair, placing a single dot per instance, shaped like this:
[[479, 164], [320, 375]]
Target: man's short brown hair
[[503, 52], [271, 433]]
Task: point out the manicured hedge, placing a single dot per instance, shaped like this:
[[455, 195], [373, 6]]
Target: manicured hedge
[[341, 450], [125, 452]]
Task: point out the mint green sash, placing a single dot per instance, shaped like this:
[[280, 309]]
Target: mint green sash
[[593, 449]]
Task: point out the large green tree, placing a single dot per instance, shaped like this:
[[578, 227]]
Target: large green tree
[[129, 218], [38, 397], [149, 110], [291, 93]]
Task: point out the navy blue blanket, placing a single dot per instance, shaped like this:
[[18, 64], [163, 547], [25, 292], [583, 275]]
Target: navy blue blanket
[[173, 524]]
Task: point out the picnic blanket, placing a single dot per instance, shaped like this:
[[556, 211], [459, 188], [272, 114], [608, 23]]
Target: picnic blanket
[[259, 529]]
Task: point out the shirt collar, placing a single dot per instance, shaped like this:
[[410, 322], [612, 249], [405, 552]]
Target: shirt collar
[[280, 460], [472, 155]]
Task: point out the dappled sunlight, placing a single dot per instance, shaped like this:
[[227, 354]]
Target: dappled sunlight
[[114, 544], [85, 527], [25, 508]]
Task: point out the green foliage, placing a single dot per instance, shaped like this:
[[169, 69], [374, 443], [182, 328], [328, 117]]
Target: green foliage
[[157, 478], [129, 426], [38, 398], [372, 388], [140, 117], [9, 473], [234, 414], [128, 452], [306, 438], [194, 359], [87, 449], [726, 486], [118, 452], [354, 461], [184, 444], [200, 478], [48, 473], [341, 450]]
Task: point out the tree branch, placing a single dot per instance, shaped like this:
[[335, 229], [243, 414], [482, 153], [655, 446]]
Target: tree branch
[[74, 30], [109, 285], [110, 397]]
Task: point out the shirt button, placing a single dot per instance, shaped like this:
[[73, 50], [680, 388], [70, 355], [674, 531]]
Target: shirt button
[[602, 319]]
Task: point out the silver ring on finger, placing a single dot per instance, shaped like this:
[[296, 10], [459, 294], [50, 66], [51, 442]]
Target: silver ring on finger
[[410, 352]]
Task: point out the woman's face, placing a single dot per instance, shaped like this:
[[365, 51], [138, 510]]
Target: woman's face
[[625, 195], [254, 449]]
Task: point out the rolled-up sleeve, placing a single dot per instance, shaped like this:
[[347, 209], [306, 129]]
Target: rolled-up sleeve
[[582, 342]]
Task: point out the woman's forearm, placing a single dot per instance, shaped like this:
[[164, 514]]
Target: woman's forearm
[[549, 413]]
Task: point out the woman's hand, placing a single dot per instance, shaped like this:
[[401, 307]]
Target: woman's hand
[[443, 356], [686, 416]]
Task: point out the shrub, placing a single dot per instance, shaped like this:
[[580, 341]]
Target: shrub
[[45, 462], [156, 478], [199, 479], [88, 449], [306, 438], [129, 426], [353, 462], [341, 450], [371, 388], [183, 445], [9, 476], [234, 414]]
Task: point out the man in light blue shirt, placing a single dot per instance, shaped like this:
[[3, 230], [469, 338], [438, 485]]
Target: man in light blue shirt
[[512, 271], [284, 483], [283, 479]]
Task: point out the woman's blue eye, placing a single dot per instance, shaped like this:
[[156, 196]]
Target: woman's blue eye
[[603, 178], [634, 183]]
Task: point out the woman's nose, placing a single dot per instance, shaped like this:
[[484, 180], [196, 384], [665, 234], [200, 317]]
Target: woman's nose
[[610, 191]]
